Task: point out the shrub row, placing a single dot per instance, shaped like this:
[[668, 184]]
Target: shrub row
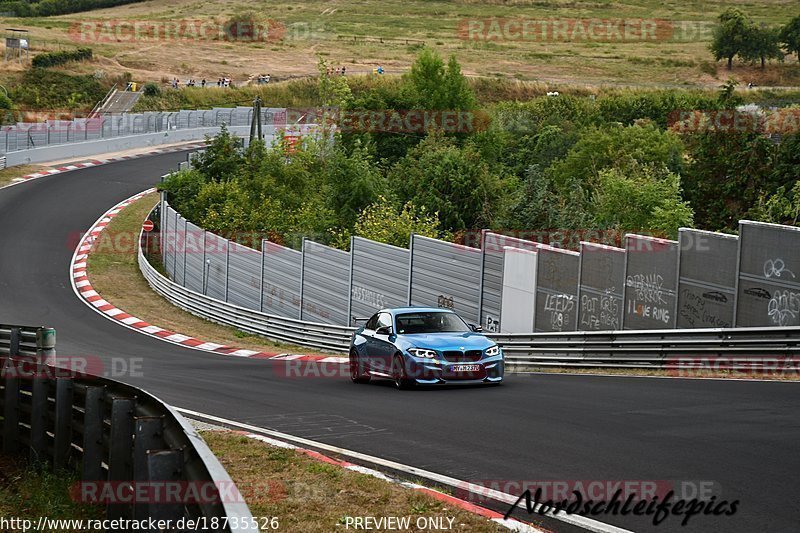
[[52, 59]]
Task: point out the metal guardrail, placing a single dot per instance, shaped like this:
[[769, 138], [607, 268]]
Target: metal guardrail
[[299, 332], [110, 431], [721, 349]]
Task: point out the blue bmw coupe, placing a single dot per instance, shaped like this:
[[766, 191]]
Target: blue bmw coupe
[[426, 346]]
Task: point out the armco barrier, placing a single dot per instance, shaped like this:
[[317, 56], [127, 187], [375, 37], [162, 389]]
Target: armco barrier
[[298, 332], [111, 431], [733, 349]]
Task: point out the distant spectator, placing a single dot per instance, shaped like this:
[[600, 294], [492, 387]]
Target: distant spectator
[[203, 82], [343, 70], [380, 69], [337, 71]]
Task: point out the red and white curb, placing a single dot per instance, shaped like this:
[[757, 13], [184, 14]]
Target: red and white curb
[[83, 288], [98, 162], [494, 516]]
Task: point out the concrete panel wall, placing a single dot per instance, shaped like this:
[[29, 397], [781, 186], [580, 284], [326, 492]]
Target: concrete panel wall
[[651, 282], [195, 260], [556, 290], [492, 247], [768, 292], [445, 275], [601, 288], [326, 284], [519, 290], [244, 276], [281, 291], [216, 259], [706, 293], [380, 277]]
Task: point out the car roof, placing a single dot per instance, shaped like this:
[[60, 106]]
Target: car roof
[[412, 309]]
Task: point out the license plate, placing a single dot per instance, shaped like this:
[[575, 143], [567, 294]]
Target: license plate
[[466, 368]]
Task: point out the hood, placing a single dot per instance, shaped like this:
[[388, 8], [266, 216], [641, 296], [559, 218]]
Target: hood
[[448, 341]]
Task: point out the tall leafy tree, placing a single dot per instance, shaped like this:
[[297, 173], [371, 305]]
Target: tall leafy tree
[[732, 35], [763, 44], [790, 37]]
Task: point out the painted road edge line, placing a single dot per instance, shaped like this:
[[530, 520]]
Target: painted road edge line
[[583, 522], [97, 162]]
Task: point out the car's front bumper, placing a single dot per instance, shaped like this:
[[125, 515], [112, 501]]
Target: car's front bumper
[[433, 372]]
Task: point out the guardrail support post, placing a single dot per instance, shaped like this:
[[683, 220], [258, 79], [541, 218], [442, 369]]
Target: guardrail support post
[[148, 436], [13, 347], [63, 423], [165, 466], [93, 419], [120, 450], [39, 404], [11, 411]]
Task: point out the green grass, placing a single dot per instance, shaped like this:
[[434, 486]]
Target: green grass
[[28, 492]]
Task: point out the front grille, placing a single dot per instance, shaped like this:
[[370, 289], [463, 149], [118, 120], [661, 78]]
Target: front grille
[[469, 356]]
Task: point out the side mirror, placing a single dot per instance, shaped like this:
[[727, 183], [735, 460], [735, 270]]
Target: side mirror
[[384, 330], [475, 328]]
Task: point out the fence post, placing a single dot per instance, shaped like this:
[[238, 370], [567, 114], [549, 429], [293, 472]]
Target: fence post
[[350, 285], [63, 424], [93, 419], [227, 264], [410, 266], [302, 273], [38, 441], [736, 280], [263, 258], [148, 436], [165, 466], [120, 450], [11, 411]]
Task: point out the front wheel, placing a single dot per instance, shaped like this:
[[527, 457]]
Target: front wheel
[[399, 374], [357, 374]]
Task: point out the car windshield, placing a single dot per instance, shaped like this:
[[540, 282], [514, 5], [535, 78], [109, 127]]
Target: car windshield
[[430, 322]]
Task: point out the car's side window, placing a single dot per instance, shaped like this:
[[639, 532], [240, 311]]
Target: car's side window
[[371, 323], [384, 320]]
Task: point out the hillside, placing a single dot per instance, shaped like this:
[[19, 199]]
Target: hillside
[[362, 34]]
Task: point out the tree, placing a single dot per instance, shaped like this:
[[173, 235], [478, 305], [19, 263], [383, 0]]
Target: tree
[[384, 222], [352, 182], [432, 85], [439, 176], [763, 44], [783, 207], [644, 198], [790, 36], [731, 37]]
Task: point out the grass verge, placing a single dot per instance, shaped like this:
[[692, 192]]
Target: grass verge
[[307, 495], [29, 493], [7, 175], [114, 273]]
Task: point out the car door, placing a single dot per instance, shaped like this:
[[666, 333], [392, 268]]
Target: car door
[[368, 335], [383, 346]]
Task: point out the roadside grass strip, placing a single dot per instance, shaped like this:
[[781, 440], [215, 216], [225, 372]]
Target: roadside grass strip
[[104, 269]]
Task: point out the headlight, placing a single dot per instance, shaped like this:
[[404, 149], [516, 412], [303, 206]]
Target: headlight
[[492, 351], [422, 352]]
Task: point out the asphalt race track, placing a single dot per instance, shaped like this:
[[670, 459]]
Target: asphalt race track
[[743, 436]]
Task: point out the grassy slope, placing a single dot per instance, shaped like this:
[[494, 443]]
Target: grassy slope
[[325, 28]]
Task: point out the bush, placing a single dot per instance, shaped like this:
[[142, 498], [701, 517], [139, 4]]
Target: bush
[[52, 59], [151, 89], [50, 89]]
